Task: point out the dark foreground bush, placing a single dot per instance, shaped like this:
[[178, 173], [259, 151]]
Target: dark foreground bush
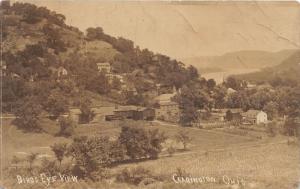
[[136, 176]]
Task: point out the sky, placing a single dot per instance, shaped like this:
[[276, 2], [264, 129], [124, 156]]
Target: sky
[[189, 29]]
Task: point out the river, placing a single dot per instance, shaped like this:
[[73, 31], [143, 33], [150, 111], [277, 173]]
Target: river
[[220, 76]]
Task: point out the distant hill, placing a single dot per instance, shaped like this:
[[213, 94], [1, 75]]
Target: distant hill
[[288, 69], [239, 60]]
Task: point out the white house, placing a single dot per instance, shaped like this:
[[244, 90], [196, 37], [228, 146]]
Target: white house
[[61, 71], [104, 67], [255, 117]]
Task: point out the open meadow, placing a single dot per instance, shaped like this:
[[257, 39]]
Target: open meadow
[[258, 163]]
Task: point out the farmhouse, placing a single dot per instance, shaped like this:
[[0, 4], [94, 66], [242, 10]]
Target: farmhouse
[[167, 110], [255, 117], [104, 67], [112, 76]]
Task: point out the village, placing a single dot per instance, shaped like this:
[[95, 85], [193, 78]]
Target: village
[[148, 95], [164, 108]]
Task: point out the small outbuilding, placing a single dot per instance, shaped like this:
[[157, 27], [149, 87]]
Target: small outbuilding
[[255, 117]]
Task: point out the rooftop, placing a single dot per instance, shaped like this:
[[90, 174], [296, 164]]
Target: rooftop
[[103, 63], [251, 113]]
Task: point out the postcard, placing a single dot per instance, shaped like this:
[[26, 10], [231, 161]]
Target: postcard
[[150, 94]]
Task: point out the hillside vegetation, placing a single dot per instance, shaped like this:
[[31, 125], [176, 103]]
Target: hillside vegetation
[[37, 43]]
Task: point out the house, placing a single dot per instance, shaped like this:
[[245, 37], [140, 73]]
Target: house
[[104, 67], [167, 109], [61, 72], [255, 117], [112, 76]]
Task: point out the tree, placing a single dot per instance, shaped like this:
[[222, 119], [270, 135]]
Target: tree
[[188, 113], [31, 158], [189, 100], [116, 83], [57, 103], [117, 152], [135, 141], [54, 39], [156, 139], [233, 83], [193, 72], [87, 113], [239, 99], [183, 137], [95, 33], [28, 115], [123, 45], [271, 108], [211, 83], [31, 15], [91, 155], [228, 116], [219, 95], [59, 150], [291, 127], [140, 143], [67, 126]]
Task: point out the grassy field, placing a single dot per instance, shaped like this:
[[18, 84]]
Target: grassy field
[[17, 142], [263, 163]]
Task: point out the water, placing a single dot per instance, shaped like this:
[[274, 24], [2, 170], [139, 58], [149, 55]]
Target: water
[[220, 76]]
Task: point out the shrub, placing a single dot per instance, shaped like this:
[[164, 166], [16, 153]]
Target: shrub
[[59, 150], [49, 167], [140, 143], [92, 156], [134, 176]]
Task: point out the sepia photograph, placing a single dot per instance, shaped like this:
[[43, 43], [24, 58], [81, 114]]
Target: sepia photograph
[[100, 94]]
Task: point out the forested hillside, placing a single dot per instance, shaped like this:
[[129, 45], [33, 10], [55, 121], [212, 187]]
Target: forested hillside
[[37, 44]]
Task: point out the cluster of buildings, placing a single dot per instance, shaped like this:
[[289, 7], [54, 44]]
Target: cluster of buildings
[[250, 117], [166, 109]]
